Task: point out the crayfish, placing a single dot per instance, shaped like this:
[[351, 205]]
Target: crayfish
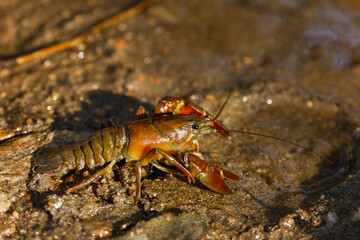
[[168, 139]]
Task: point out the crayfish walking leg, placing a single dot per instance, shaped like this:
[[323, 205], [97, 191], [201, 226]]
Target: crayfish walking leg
[[96, 176], [152, 156]]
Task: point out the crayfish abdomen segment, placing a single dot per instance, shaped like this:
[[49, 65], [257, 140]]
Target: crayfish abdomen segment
[[97, 149]]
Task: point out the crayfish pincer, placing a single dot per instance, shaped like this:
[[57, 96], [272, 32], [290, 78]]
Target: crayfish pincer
[[167, 140]]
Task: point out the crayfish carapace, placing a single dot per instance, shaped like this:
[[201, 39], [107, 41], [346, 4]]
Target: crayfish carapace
[[169, 139]]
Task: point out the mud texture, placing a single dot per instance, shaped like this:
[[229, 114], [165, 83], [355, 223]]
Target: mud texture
[[294, 67]]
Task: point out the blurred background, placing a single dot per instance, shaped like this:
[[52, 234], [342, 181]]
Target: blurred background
[[293, 67]]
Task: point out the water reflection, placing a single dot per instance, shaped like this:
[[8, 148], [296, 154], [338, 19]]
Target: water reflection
[[309, 170], [322, 162], [337, 33]]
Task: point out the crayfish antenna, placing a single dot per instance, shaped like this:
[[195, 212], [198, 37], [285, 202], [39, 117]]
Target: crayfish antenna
[[219, 125], [224, 104]]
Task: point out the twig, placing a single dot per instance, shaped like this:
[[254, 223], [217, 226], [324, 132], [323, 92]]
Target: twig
[[41, 53]]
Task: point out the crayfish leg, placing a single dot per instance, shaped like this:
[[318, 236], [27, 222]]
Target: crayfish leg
[[95, 177], [166, 169], [138, 182], [150, 157], [141, 113], [154, 155]]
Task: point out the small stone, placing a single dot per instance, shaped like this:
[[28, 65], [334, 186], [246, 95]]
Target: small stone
[[316, 221], [101, 230], [129, 36], [210, 97], [4, 72], [29, 121], [15, 214], [7, 229], [238, 65], [122, 27], [4, 202], [248, 60], [47, 63], [309, 104], [303, 214], [58, 204], [288, 223], [331, 219], [151, 22], [355, 215]]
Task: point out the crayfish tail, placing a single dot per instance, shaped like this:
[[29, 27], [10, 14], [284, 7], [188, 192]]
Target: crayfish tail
[[49, 162]]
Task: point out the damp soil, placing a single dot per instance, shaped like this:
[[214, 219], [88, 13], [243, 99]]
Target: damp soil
[[293, 67]]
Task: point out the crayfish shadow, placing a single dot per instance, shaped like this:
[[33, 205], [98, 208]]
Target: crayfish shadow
[[138, 217], [98, 107], [310, 189], [331, 171]]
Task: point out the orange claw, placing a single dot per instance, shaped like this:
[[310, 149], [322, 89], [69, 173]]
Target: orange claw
[[209, 174], [175, 106]]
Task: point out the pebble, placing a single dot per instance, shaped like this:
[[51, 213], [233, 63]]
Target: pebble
[[238, 65], [355, 215], [309, 104], [210, 97], [7, 229], [288, 223], [101, 230], [29, 121], [248, 60], [316, 221], [4, 202], [122, 27], [57, 205], [331, 219], [15, 214], [4, 72], [303, 214], [151, 22]]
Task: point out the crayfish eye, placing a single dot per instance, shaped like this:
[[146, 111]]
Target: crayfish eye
[[195, 126]]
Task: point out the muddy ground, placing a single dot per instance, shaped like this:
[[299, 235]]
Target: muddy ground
[[294, 67]]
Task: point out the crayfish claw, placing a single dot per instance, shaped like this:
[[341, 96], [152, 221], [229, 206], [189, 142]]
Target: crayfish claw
[[177, 106], [212, 178], [211, 175], [219, 126], [229, 175]]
